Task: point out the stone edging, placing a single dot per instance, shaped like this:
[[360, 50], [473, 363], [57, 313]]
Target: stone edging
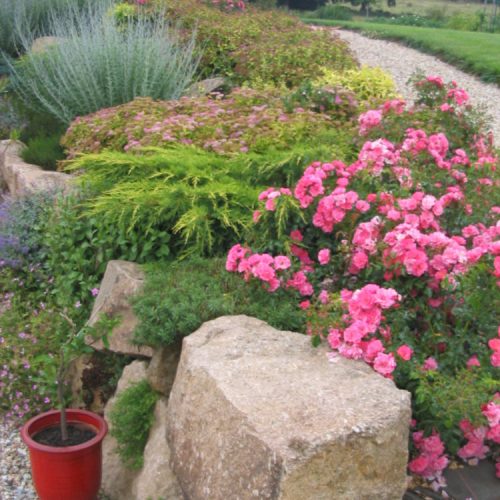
[[21, 179]]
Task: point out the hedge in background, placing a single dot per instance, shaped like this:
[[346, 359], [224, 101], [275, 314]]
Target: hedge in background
[[266, 46]]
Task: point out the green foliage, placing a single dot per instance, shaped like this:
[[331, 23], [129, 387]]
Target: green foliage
[[199, 200], [371, 86], [465, 22], [442, 400], [336, 102], [259, 45], [44, 151], [29, 15], [97, 63], [79, 245], [131, 419], [178, 297], [246, 120], [193, 196], [333, 11]]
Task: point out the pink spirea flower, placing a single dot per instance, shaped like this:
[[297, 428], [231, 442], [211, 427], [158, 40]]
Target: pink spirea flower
[[94, 292]]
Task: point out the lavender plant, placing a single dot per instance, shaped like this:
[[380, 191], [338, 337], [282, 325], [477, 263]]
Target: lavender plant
[[21, 242]]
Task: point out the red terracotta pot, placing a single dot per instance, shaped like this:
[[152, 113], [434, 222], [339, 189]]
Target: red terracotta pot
[[72, 472]]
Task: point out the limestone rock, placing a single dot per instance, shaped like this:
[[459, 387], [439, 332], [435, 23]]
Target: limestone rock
[[258, 413], [23, 179], [116, 478], [205, 87], [156, 479], [121, 280], [163, 367]]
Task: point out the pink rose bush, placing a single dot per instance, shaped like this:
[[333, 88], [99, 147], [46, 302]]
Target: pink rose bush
[[392, 256]]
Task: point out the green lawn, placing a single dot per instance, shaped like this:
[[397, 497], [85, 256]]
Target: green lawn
[[475, 52]]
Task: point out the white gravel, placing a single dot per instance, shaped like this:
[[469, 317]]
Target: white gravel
[[401, 62], [15, 476]]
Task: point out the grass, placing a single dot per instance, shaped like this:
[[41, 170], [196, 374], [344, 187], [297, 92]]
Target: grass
[[474, 52], [422, 7]]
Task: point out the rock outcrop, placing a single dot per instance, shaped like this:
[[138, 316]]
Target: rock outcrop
[[116, 478], [156, 479], [204, 87], [23, 179], [121, 281], [258, 413]]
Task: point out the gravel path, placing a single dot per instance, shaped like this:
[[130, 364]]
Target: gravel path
[[15, 476], [401, 62]]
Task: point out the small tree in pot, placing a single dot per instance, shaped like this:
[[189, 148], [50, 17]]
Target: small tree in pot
[[67, 464]]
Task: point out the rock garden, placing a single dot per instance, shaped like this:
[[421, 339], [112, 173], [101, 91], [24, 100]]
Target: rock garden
[[242, 258]]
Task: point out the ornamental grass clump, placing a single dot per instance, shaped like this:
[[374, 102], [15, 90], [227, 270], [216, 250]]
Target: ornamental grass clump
[[395, 257], [32, 16], [97, 63]]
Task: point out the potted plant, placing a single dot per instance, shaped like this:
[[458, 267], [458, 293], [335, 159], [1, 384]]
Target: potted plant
[[65, 445]]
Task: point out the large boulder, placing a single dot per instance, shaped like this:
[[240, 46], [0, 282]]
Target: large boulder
[[258, 413], [156, 479], [23, 179], [121, 281]]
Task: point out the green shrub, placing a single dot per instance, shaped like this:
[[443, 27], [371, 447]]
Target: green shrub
[[44, 151], [465, 22], [247, 120], [333, 101], [97, 64], [408, 20], [131, 419], [267, 46], [180, 296], [79, 245], [442, 400], [369, 85], [333, 11], [200, 200]]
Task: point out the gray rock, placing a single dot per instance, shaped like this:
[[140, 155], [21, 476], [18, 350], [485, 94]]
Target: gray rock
[[116, 478], [22, 179], [258, 413], [121, 280], [204, 87], [156, 479], [163, 367]]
